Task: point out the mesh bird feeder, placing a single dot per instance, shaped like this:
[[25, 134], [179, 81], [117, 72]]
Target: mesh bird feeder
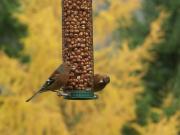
[[77, 48]]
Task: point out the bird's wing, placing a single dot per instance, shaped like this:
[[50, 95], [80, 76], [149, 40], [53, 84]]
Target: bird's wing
[[63, 69], [47, 84]]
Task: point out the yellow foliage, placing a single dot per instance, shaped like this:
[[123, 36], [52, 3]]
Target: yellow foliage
[[50, 115], [34, 119]]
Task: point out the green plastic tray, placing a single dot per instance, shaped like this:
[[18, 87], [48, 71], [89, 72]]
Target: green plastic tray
[[81, 95]]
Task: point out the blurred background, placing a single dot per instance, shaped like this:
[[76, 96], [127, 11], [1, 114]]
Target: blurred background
[[136, 42]]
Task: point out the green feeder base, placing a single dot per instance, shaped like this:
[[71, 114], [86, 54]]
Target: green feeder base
[[80, 95]]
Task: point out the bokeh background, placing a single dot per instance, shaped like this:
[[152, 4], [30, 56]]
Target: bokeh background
[[136, 42]]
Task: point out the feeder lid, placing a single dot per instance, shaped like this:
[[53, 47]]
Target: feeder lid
[[80, 95]]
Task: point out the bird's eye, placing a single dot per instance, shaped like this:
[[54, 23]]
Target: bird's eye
[[101, 81]]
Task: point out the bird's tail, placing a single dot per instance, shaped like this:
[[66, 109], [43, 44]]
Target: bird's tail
[[36, 94]]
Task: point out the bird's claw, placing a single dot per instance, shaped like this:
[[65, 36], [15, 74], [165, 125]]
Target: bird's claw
[[61, 93]]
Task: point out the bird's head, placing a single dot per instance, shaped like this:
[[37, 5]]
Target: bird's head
[[105, 79], [100, 82]]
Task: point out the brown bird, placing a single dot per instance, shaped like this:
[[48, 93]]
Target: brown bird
[[100, 82], [57, 80]]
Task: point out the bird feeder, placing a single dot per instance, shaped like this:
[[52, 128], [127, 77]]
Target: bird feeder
[[77, 48]]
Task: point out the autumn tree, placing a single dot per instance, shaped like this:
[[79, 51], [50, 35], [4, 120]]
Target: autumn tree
[[161, 80], [11, 30]]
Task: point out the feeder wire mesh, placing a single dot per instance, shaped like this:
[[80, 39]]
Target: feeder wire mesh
[[77, 47]]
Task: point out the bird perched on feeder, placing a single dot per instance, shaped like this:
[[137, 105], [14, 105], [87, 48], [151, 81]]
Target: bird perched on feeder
[[57, 80], [100, 82]]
